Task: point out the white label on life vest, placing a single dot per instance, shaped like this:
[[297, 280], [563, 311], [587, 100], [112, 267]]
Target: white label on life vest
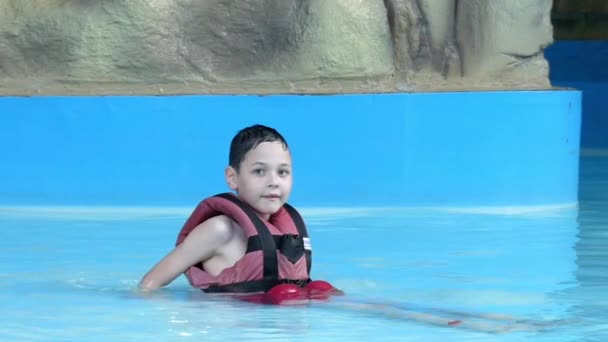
[[307, 244]]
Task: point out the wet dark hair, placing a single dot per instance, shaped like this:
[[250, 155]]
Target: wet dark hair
[[249, 138]]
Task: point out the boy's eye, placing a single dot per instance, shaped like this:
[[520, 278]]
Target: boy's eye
[[258, 172], [283, 172]]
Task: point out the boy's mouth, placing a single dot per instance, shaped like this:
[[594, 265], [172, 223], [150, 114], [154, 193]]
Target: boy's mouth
[[271, 197]]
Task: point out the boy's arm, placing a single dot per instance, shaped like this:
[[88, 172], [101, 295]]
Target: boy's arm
[[199, 245]]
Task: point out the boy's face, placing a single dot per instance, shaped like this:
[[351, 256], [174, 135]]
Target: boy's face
[[264, 179]]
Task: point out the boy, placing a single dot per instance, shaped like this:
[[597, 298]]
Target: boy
[[250, 242]]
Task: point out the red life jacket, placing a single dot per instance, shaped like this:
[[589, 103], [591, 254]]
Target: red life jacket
[[278, 250]]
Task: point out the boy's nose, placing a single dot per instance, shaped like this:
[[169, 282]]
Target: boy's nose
[[273, 180]]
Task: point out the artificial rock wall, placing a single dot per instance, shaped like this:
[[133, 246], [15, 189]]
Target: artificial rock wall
[[271, 46]]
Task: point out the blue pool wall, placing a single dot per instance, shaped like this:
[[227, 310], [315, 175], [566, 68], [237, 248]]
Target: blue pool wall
[[583, 65], [423, 149]]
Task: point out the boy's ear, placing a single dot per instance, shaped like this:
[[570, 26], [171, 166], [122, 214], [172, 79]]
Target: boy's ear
[[230, 175]]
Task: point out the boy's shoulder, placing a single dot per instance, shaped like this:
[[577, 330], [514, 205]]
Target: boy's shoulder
[[222, 221], [220, 226]]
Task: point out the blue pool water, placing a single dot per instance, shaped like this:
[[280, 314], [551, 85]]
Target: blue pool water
[[69, 274]]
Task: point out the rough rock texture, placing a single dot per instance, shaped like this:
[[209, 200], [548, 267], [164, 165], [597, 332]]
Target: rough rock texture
[[271, 46]]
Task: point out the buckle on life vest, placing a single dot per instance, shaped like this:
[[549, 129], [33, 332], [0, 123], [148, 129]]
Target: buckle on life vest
[[292, 247]]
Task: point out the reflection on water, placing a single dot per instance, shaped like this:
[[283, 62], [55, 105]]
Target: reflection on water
[[590, 295]]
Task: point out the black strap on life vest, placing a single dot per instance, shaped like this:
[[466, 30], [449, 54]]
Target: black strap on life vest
[[269, 244], [302, 232]]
